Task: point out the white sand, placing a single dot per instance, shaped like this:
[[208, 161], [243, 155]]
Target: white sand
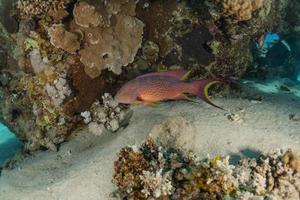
[[83, 167]]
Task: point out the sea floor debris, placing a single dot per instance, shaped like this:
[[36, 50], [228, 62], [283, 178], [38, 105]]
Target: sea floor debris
[[159, 172]]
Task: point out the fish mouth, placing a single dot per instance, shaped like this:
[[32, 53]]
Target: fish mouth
[[118, 98]]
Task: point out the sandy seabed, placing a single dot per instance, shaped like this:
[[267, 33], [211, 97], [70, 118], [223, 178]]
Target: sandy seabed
[[83, 167]]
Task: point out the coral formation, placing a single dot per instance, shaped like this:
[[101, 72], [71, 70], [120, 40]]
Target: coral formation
[[107, 45], [108, 115], [242, 10], [159, 172], [63, 39], [39, 8], [86, 16], [59, 90]]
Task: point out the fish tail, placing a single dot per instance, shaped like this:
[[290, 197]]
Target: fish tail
[[201, 87]]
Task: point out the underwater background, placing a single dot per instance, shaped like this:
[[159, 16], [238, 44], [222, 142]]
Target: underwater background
[[9, 144], [149, 99]]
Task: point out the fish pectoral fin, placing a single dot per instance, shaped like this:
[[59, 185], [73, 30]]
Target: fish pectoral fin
[[186, 76], [139, 100], [184, 95]]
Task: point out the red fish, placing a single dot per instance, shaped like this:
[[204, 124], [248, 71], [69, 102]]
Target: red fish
[[177, 73], [151, 88]]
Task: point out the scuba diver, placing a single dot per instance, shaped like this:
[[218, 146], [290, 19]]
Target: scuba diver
[[272, 57]]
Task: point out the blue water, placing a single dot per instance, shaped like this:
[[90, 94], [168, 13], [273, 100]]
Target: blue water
[[9, 144]]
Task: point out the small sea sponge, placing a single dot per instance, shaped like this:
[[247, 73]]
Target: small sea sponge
[[61, 38]]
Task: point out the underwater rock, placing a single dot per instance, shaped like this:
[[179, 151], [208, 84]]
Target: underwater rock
[[85, 90], [175, 132], [195, 46]]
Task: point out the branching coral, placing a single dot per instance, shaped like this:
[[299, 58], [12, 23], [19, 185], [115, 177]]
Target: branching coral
[[159, 172], [39, 8]]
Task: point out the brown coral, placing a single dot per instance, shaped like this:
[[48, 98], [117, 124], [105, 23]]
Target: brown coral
[[61, 38], [96, 56], [241, 9], [292, 159], [86, 15], [39, 8], [110, 47]]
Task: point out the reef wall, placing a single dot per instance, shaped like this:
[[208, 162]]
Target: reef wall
[[62, 61]]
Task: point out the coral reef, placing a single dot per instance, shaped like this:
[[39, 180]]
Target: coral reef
[[58, 58], [159, 172]]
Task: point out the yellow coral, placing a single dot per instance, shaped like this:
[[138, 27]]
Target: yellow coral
[[241, 9]]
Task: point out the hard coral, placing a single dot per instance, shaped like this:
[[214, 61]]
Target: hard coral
[[61, 38], [163, 172], [108, 46], [86, 16], [59, 90], [96, 56], [39, 8], [241, 9]]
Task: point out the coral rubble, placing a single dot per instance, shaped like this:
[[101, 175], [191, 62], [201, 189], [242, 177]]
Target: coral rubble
[[159, 172]]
